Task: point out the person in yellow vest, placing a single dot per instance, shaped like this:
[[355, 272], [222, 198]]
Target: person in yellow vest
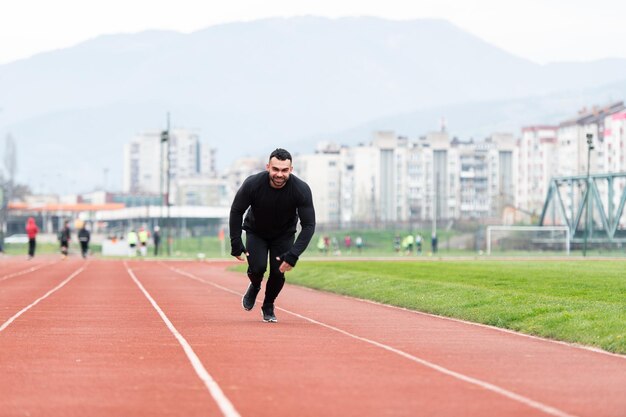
[[131, 238], [408, 244], [143, 236]]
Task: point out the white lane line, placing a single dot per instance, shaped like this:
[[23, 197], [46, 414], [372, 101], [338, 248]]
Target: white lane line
[[474, 381], [484, 326], [31, 269], [228, 410], [25, 309]]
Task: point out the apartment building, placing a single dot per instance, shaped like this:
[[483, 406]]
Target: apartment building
[[361, 170], [143, 163], [322, 171], [146, 161], [394, 179], [241, 169], [562, 151], [572, 140], [538, 157], [615, 136], [202, 190]]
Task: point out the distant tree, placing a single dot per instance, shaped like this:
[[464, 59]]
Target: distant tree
[[6, 185], [10, 167], [10, 159]]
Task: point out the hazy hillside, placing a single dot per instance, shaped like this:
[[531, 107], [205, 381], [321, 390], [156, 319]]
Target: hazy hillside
[[248, 87], [477, 120]]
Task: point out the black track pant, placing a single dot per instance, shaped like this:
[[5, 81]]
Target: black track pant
[[32, 244], [84, 249], [64, 247], [259, 248]]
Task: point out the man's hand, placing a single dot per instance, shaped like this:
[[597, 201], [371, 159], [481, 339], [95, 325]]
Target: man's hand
[[284, 267], [241, 258]]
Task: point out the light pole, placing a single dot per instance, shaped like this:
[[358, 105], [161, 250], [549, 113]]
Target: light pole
[[165, 137], [588, 220]]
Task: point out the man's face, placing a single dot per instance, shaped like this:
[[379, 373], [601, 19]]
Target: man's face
[[279, 172]]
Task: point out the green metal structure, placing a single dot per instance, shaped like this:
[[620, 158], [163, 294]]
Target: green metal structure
[[591, 206]]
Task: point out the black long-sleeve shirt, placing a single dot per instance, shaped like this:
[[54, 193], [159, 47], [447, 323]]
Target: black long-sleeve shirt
[[273, 213]]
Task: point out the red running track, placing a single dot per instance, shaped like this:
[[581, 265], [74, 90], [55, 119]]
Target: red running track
[[141, 338]]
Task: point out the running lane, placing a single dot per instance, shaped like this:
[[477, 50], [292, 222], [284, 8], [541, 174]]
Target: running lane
[[332, 355], [11, 266], [27, 281], [96, 348]]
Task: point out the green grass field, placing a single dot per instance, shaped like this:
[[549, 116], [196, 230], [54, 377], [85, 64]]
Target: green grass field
[[576, 301]]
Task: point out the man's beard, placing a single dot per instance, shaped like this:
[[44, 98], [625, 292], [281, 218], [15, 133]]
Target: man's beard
[[278, 182]]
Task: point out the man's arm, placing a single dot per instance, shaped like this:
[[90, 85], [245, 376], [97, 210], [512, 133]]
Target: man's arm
[[241, 202], [306, 213]]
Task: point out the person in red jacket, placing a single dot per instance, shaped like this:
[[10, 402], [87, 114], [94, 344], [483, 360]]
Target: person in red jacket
[[31, 231]]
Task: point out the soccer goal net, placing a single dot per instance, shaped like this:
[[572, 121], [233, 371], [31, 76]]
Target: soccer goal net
[[503, 240]]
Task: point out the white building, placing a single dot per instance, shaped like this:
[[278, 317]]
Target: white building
[[203, 191], [361, 170], [146, 161], [185, 154], [547, 151], [142, 164], [241, 169], [394, 179], [572, 140], [321, 171], [538, 156], [614, 136]]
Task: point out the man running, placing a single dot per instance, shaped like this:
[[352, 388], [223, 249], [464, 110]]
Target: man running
[[64, 237], [276, 200], [84, 236]]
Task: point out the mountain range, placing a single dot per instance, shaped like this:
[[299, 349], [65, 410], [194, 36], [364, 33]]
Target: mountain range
[[250, 87]]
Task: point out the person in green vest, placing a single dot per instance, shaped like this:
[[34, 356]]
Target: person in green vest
[[131, 238], [143, 236], [408, 244]]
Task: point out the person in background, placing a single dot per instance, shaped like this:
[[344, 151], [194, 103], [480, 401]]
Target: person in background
[[274, 201], [359, 243], [64, 237], [334, 243], [143, 236], [397, 243], [31, 231], [326, 244], [408, 244], [84, 237], [156, 237], [347, 241], [132, 238]]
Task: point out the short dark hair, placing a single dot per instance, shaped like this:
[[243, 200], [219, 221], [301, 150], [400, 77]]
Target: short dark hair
[[281, 154]]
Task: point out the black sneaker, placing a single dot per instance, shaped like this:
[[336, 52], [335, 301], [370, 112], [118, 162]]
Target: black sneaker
[[250, 297], [268, 313]]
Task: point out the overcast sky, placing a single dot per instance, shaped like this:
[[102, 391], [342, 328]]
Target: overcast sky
[[540, 30]]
